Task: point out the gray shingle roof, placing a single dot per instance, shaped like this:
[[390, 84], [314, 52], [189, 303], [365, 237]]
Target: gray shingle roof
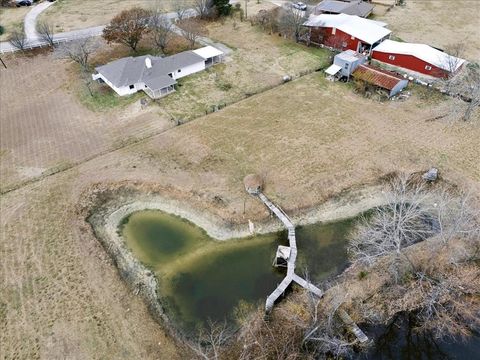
[[132, 70], [159, 82], [361, 9]]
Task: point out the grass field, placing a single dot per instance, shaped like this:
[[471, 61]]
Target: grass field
[[438, 23], [311, 138], [61, 124], [12, 19], [61, 296], [69, 15]]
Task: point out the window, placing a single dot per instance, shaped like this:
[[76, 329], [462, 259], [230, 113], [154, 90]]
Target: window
[[428, 67], [352, 37], [334, 31], [179, 70], [391, 57], [346, 66], [131, 86], [344, 44]]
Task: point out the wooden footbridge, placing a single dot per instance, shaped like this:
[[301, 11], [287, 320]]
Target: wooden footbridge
[[292, 277]]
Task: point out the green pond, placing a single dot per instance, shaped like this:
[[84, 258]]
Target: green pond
[[201, 278]]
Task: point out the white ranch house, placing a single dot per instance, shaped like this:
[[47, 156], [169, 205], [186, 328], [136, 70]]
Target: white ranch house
[[156, 76]]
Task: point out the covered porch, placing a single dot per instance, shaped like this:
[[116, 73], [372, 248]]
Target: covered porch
[[158, 93], [211, 55]]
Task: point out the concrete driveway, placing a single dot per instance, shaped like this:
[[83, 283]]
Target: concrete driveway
[[30, 22]]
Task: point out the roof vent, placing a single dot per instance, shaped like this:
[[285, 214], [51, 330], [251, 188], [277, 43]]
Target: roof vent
[[148, 62]]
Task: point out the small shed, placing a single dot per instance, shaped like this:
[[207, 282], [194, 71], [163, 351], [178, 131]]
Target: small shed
[[347, 61], [380, 78]]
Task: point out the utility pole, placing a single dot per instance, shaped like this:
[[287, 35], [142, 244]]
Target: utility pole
[[3, 63], [246, 11]]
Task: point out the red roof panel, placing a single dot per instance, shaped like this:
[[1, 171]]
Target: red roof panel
[[376, 76]]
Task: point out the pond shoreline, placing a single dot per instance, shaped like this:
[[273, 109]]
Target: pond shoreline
[[106, 220], [332, 210]]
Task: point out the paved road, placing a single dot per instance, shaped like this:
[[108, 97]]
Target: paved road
[[34, 41]]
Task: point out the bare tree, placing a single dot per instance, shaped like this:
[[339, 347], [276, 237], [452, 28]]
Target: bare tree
[[45, 30], [412, 214], [18, 40], [79, 51], [447, 302], [86, 76], [162, 28], [467, 88], [210, 340], [267, 19], [181, 11], [324, 330], [191, 31], [291, 22], [401, 223], [456, 216], [203, 8]]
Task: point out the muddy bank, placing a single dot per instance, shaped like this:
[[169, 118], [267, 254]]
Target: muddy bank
[[347, 206]]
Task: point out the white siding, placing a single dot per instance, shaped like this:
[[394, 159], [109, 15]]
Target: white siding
[[122, 91], [191, 69], [400, 86]]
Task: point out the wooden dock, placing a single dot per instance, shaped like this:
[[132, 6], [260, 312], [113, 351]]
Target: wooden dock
[[291, 276]]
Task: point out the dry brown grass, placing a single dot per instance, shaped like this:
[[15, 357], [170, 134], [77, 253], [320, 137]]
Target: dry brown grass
[[49, 128], [438, 23], [61, 124], [12, 19], [69, 15], [60, 294], [258, 62], [310, 137]]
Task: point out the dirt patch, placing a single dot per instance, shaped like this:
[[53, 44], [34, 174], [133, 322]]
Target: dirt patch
[[437, 23]]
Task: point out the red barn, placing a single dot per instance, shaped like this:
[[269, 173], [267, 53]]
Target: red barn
[[417, 57], [345, 32]]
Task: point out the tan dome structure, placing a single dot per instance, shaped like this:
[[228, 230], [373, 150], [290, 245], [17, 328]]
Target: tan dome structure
[[253, 184]]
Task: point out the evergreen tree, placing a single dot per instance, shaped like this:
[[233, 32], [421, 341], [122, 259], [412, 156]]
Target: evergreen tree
[[223, 7]]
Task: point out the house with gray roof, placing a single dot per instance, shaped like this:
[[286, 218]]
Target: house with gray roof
[[154, 75], [350, 7]]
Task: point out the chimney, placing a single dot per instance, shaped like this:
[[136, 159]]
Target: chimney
[[148, 62]]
